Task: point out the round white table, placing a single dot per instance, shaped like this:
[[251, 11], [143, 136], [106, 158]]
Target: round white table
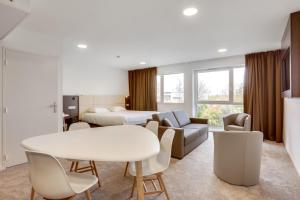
[[114, 143]]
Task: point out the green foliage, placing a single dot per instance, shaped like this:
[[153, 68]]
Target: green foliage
[[215, 112]]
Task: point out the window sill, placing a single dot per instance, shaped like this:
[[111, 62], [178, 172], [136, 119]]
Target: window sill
[[161, 103]]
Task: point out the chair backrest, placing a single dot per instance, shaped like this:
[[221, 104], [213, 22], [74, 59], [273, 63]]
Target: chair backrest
[[48, 177], [247, 124], [78, 126], [237, 156], [153, 126], [166, 142]]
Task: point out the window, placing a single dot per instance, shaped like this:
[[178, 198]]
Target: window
[[173, 88], [219, 92], [238, 84], [213, 86], [170, 88]]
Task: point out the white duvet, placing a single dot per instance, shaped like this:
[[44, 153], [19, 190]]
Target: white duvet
[[117, 118]]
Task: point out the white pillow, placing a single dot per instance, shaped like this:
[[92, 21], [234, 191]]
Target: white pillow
[[117, 109], [98, 110]]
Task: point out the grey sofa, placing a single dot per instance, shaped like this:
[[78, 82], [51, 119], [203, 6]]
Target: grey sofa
[[237, 122], [189, 132]]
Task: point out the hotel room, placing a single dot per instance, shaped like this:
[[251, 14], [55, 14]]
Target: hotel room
[[140, 99]]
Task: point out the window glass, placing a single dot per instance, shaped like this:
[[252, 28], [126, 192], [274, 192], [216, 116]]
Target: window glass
[[219, 93], [174, 88], [238, 84], [213, 86]]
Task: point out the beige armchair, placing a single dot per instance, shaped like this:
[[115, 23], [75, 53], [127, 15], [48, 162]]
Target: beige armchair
[[237, 122], [237, 156]]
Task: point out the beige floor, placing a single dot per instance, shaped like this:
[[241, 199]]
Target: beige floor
[[188, 179]]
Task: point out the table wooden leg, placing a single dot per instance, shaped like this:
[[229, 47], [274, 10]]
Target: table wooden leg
[[32, 194], [139, 180]]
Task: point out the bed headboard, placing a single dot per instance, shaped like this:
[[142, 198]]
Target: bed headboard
[[104, 101]]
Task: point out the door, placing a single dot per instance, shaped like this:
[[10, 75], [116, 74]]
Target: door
[[30, 93]]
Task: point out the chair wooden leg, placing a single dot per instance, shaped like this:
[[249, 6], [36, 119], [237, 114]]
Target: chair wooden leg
[[72, 166], [133, 186], [92, 167], [162, 185], [96, 172], [32, 194], [76, 166], [88, 195], [126, 169]]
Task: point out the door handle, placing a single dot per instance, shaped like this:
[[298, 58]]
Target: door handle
[[54, 106]]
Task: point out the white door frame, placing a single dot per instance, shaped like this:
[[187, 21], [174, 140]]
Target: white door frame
[[2, 167], [2, 124]]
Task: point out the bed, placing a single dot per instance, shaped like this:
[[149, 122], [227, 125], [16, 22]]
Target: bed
[[98, 110], [117, 118]]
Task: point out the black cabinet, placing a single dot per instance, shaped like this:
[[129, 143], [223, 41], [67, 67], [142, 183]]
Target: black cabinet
[[71, 109]]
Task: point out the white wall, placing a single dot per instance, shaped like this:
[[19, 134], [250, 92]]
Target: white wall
[[94, 80], [33, 42], [187, 69], [292, 129]]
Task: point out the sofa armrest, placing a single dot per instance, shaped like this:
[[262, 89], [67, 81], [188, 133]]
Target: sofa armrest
[[199, 121], [178, 141]]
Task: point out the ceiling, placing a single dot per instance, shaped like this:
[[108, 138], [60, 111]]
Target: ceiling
[[155, 31]]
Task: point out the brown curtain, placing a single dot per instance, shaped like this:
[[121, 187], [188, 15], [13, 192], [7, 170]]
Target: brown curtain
[[262, 93], [142, 89]]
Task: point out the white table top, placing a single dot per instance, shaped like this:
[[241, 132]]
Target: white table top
[[114, 143]]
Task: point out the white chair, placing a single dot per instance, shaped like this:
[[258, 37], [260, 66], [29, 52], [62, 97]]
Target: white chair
[[237, 122], [49, 179], [156, 165], [237, 156], [90, 165], [78, 126], [152, 126]]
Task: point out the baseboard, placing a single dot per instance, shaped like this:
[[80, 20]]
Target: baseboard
[[292, 159]]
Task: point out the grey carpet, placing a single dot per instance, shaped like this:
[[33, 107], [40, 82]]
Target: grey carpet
[[188, 179]]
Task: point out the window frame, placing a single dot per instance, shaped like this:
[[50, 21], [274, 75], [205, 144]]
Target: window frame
[[158, 76], [231, 86], [162, 88]]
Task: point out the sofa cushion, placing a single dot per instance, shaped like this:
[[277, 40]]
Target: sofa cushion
[[196, 126], [234, 128], [166, 122], [168, 115], [182, 117], [240, 119], [190, 135]]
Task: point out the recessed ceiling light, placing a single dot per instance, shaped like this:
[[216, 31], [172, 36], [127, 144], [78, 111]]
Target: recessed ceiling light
[[222, 50], [190, 11], [143, 63], [82, 46]]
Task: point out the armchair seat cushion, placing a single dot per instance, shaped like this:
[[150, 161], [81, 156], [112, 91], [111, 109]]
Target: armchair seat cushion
[[190, 135], [235, 128]]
